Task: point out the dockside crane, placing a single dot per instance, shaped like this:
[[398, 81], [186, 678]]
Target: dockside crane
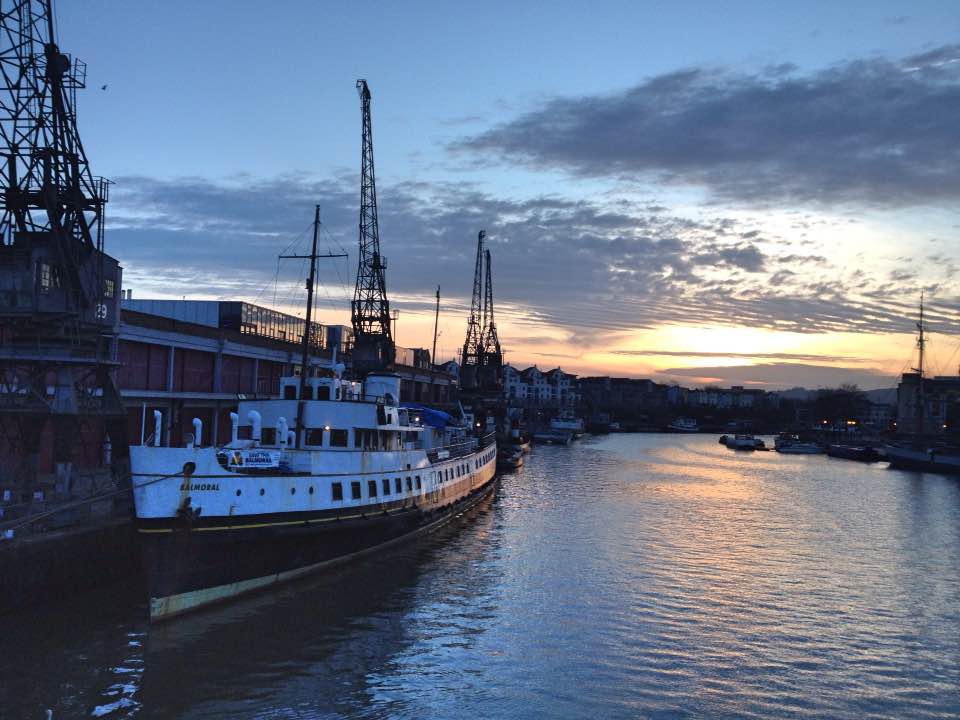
[[471, 356], [373, 344], [59, 290], [491, 357]]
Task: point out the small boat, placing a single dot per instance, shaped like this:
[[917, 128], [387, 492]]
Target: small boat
[[860, 453], [745, 442], [799, 448], [509, 458], [568, 423], [683, 425], [553, 437]]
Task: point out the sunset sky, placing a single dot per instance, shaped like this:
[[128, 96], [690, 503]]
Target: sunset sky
[[745, 193]]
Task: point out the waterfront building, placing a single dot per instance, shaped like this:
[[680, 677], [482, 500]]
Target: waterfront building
[[536, 388]]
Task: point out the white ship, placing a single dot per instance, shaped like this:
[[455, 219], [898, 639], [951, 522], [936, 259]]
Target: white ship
[[360, 472]]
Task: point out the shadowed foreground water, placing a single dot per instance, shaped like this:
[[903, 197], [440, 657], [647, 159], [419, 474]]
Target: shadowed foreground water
[[624, 576]]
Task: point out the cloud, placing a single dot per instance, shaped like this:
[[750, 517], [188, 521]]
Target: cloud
[[588, 268], [778, 376], [874, 132], [750, 356]]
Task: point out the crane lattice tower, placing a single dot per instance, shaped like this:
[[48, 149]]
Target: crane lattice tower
[[373, 345]]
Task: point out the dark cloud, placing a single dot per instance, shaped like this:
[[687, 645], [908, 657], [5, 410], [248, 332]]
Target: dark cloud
[[750, 356], [875, 132], [775, 376], [592, 270]]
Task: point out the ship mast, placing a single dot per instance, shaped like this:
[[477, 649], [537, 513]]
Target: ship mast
[[921, 398], [308, 324]]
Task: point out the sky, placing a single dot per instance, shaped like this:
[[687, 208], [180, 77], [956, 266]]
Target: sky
[[739, 193]]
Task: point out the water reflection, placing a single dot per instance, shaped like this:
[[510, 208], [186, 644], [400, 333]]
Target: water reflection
[[625, 576]]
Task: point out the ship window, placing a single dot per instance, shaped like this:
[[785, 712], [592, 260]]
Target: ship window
[[386, 486], [336, 490], [289, 392], [409, 484], [268, 436], [372, 488], [355, 490], [315, 436], [338, 438], [418, 481], [245, 432], [323, 393], [398, 485]]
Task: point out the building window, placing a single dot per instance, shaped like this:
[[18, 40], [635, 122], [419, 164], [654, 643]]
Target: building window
[[49, 277], [338, 438], [315, 436], [372, 488], [355, 490], [336, 492], [386, 486]]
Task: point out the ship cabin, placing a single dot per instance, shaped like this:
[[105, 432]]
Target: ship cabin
[[338, 416]]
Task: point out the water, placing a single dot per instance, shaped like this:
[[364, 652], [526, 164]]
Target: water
[[625, 576]]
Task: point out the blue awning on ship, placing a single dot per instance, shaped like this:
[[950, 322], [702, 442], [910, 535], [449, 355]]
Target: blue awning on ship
[[429, 416]]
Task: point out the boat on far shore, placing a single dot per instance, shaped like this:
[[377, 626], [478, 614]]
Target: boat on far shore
[[553, 437], [860, 453], [683, 425], [743, 442]]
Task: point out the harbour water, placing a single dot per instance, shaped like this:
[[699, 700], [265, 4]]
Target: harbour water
[[624, 576]]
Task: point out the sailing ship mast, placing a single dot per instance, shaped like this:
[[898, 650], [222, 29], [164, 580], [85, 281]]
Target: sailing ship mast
[[921, 399]]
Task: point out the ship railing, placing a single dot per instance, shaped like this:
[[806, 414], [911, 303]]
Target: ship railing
[[460, 449]]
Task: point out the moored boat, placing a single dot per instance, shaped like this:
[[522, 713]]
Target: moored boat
[[553, 437], [509, 458], [683, 425], [360, 472], [860, 453], [745, 442]]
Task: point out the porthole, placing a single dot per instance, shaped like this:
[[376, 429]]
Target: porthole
[[262, 491], [238, 493], [311, 490], [293, 491]]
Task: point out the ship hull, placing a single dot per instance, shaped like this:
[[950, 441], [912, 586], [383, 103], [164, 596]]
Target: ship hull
[[202, 562], [926, 460]]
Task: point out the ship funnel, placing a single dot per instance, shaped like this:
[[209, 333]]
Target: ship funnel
[[254, 417], [197, 432], [282, 431], [234, 429], [157, 426]]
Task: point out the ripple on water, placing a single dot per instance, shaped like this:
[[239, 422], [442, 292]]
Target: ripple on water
[[626, 576]]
